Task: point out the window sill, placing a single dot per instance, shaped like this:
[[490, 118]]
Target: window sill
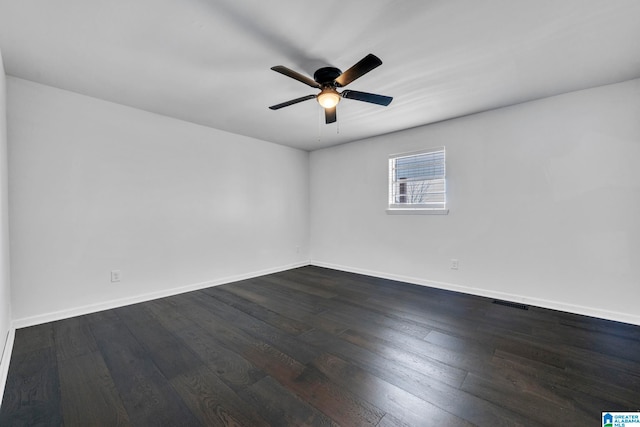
[[417, 211]]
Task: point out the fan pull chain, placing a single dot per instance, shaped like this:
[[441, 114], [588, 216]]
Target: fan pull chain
[[320, 117]]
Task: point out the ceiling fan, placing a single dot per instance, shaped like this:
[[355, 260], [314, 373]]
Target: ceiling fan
[[328, 79]]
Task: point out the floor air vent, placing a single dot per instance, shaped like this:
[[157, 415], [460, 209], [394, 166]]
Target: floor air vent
[[511, 304]]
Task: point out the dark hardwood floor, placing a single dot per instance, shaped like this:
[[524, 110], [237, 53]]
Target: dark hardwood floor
[[317, 347]]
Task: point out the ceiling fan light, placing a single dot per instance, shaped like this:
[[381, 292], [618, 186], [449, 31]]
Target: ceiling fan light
[[328, 98]]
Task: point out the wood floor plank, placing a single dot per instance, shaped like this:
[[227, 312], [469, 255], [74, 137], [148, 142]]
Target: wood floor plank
[[313, 346], [258, 352], [606, 373], [259, 329], [293, 311], [431, 389], [309, 384], [593, 324], [213, 403], [236, 371], [33, 338], [378, 319], [434, 318], [169, 312], [502, 391], [585, 395], [452, 351], [149, 397], [397, 403], [228, 365], [309, 287], [289, 326], [32, 391], [548, 353], [515, 384], [281, 407], [336, 285], [270, 288], [571, 383], [338, 403], [595, 342], [73, 338], [425, 364], [88, 394], [167, 351]]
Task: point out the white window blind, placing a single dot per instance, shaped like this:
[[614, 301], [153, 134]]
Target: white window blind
[[417, 180]]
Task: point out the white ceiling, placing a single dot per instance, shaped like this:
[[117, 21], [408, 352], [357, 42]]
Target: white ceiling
[[208, 61]]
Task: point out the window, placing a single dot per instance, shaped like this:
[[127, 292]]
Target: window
[[417, 182]]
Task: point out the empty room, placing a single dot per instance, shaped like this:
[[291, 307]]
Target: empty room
[[290, 213]]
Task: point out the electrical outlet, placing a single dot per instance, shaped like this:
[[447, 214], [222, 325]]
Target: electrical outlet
[[116, 275], [454, 264]]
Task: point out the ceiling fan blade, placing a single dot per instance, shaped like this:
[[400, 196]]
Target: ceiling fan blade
[[295, 75], [293, 101], [330, 115], [365, 65], [367, 97]]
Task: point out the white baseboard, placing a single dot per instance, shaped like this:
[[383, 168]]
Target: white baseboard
[[633, 319], [106, 305], [6, 359]]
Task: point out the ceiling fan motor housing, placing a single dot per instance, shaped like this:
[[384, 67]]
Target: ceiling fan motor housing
[[325, 76]]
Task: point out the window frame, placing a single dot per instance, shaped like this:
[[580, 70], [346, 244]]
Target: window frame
[[415, 208]]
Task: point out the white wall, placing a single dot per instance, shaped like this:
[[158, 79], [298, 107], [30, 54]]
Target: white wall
[[5, 291], [96, 186], [544, 199], [544, 202]]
